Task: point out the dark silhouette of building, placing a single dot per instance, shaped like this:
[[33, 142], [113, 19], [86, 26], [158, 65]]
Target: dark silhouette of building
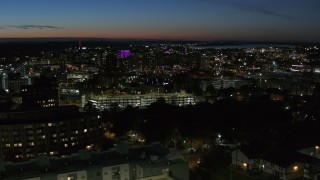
[[43, 93]]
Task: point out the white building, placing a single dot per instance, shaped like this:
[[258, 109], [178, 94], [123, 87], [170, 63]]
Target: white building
[[106, 102]]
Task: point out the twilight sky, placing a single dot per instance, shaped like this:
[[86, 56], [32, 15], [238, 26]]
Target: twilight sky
[[267, 20]]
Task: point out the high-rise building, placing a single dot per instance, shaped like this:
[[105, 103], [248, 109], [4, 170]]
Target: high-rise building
[[54, 131], [4, 78], [111, 63], [43, 93], [15, 83]]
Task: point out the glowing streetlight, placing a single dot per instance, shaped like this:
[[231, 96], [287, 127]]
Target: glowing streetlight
[[245, 165]]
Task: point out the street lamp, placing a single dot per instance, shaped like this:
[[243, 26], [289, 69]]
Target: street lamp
[[260, 79]]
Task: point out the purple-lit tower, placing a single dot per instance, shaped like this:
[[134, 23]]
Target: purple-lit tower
[[125, 53]]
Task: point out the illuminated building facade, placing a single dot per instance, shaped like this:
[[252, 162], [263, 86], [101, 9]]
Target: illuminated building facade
[[125, 53], [106, 102], [52, 131], [224, 83]]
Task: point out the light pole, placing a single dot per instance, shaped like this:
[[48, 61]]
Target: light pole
[[260, 79]]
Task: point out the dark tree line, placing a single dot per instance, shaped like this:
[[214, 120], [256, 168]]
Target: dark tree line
[[255, 121]]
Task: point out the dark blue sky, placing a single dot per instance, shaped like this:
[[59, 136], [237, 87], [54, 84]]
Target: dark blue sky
[[267, 20]]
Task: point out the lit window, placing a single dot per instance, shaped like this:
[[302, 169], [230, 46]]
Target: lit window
[[65, 145], [18, 156], [49, 124], [85, 130], [295, 168]]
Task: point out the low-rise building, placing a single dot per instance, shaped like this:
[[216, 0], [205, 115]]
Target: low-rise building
[[124, 163], [282, 164], [122, 101]]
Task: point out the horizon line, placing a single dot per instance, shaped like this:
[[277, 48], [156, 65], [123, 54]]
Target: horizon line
[[148, 39]]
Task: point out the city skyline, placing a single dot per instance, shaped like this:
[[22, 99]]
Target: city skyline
[[209, 20]]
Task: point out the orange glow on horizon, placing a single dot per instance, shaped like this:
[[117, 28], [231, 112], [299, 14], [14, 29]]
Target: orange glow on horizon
[[112, 33], [122, 33]]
